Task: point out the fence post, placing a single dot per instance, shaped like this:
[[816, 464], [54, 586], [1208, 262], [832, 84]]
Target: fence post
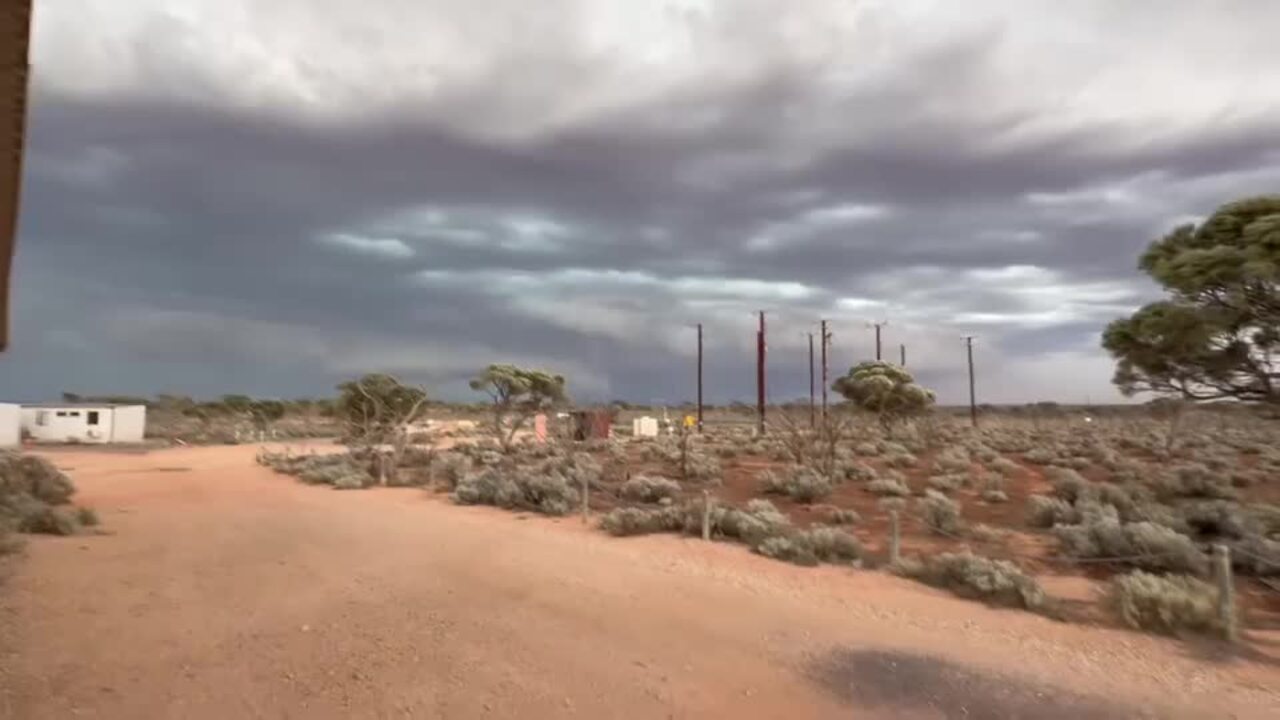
[[706, 515], [1226, 591], [586, 499], [893, 537]]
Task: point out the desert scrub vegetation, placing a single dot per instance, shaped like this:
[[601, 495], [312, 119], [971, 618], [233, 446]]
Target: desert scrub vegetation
[[760, 526], [952, 460], [649, 489], [813, 546], [893, 485], [549, 493], [1142, 545], [947, 483], [840, 516], [35, 497], [1004, 466], [997, 582], [342, 471], [1167, 604], [940, 513], [798, 483]]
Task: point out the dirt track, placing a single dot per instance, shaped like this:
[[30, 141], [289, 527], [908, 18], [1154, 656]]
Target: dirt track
[[225, 591]]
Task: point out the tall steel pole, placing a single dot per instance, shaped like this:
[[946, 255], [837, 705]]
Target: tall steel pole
[[813, 417], [699, 377], [902, 354], [878, 325], [973, 403], [760, 374]]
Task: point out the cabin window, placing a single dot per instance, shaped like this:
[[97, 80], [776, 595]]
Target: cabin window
[[93, 417], [74, 413], [61, 413], [42, 417]]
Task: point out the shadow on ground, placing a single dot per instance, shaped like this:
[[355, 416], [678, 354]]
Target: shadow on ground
[[922, 686]]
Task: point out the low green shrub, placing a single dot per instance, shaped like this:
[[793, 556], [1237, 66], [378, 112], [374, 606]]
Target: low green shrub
[[87, 517], [628, 521], [519, 489], [947, 483], [800, 484], [888, 486], [1142, 545], [950, 461], [1256, 555], [1194, 480], [901, 460], [842, 516], [940, 513], [812, 546], [1005, 467], [1045, 512], [649, 489], [998, 582], [1166, 604]]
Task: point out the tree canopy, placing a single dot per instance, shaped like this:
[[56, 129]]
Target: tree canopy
[[1217, 333], [517, 395], [885, 389], [377, 406]]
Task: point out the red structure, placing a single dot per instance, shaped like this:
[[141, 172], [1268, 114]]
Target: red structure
[[592, 424]]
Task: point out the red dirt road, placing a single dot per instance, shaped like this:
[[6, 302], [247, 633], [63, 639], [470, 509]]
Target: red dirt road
[[225, 591]]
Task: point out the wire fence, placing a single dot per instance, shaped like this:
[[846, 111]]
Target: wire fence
[[1108, 560]]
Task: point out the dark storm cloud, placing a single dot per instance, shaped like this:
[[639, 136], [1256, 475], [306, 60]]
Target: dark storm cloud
[[205, 246]]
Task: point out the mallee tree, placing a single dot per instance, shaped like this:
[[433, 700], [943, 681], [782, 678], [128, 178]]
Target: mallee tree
[[1217, 334]]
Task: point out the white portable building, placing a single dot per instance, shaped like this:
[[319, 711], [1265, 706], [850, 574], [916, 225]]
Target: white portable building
[[90, 423]]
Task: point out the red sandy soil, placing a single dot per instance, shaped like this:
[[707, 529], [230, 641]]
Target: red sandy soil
[[222, 590]]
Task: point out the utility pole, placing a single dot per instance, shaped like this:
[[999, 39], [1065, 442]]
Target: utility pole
[[760, 375], [902, 353], [877, 326], [813, 418], [826, 343], [699, 378], [973, 404]]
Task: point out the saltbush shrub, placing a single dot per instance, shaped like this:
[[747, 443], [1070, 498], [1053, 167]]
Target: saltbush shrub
[[842, 516], [1005, 467], [998, 582], [1045, 512], [649, 489], [888, 486], [33, 499], [519, 489], [940, 513], [1164, 604], [947, 483], [812, 546], [800, 484], [1143, 545]]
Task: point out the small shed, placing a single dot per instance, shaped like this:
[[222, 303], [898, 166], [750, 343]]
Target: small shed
[[592, 424], [91, 423], [10, 425]]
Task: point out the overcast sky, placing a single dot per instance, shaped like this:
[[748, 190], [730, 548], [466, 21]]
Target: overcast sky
[[270, 197]]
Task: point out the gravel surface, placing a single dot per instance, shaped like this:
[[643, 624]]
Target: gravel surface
[[221, 590]]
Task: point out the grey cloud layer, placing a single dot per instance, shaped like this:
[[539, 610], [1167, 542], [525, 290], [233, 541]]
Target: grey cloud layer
[[536, 207]]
